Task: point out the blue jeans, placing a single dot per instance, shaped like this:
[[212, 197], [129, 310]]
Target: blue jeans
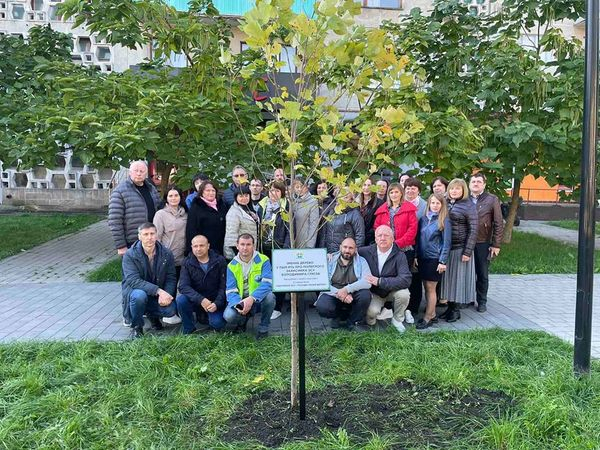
[[141, 303], [188, 307], [265, 307]]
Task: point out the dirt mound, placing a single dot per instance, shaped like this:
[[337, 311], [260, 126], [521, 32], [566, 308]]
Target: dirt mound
[[409, 415]]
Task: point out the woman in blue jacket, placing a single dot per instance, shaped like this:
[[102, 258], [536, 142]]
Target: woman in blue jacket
[[433, 247]]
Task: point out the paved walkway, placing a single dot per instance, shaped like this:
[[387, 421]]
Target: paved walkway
[[552, 232], [73, 311], [43, 297], [65, 259]]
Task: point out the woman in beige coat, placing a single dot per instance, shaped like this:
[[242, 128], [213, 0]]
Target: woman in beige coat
[[170, 225], [240, 219]]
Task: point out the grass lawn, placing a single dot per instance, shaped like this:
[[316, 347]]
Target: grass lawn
[[109, 271], [192, 392], [24, 231], [571, 225], [530, 253]]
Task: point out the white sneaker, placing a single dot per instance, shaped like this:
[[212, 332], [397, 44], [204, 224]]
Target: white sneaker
[[172, 320], [385, 313], [398, 326], [408, 317], [276, 314]]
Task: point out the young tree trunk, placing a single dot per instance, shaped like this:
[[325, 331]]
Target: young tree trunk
[[295, 350], [512, 212]]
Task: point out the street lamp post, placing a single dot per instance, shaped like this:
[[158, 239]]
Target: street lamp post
[[587, 206]]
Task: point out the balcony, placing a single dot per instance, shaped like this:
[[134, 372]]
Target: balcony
[[241, 7]]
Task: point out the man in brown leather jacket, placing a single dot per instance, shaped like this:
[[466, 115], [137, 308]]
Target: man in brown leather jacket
[[489, 234]]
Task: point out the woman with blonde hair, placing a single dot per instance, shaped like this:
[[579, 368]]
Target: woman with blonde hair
[[433, 248], [458, 284]]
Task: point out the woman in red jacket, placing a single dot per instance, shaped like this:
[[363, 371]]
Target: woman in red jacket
[[401, 216]]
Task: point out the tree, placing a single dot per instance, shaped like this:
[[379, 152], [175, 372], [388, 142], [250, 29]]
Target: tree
[[27, 69], [187, 118], [496, 70], [340, 63]]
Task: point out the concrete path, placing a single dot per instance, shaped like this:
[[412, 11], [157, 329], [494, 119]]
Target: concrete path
[[552, 232], [65, 259]]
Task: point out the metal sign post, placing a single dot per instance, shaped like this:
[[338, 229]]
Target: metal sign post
[[297, 271]]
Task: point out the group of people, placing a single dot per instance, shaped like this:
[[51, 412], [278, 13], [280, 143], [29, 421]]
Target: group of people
[[206, 258]]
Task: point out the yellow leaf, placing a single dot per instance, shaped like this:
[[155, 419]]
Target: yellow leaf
[[263, 136], [326, 173], [326, 142], [291, 151], [391, 115], [259, 379], [290, 111], [320, 100]]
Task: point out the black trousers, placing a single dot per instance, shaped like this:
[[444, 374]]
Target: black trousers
[[331, 307], [416, 286], [482, 270]]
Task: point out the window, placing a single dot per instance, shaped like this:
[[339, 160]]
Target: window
[[37, 5], [103, 53], [85, 44], [390, 4], [18, 11], [287, 56]]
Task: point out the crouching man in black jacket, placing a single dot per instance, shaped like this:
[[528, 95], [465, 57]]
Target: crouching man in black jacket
[[149, 280], [390, 276], [202, 286]]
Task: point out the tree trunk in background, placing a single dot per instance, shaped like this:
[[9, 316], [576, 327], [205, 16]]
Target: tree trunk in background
[[164, 169], [512, 212]]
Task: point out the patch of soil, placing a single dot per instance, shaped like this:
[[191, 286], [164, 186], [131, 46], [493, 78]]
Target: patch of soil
[[409, 415]]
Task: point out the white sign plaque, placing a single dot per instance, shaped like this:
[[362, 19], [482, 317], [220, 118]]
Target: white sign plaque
[[300, 270]]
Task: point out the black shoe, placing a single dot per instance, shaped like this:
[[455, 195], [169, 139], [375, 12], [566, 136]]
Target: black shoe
[[335, 323], [136, 333], [156, 323], [241, 328], [434, 319], [445, 313], [261, 335], [481, 307], [453, 316], [423, 324]]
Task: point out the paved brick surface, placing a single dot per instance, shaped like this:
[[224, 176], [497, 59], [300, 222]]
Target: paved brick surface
[[43, 297], [65, 259], [548, 301], [552, 232], [73, 311]]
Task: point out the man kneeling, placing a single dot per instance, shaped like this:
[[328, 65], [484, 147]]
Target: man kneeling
[[202, 286], [149, 280], [390, 277], [347, 301], [249, 287]]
